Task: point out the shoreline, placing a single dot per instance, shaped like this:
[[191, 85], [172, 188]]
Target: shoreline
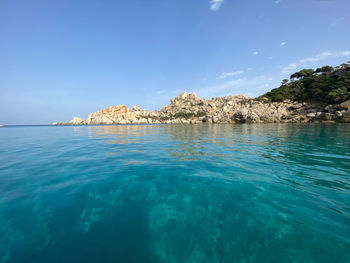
[[188, 108], [166, 124]]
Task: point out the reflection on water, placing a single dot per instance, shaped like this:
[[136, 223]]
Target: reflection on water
[[122, 134], [175, 193]]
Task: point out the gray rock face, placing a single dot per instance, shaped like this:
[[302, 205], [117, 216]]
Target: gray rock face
[[189, 108]]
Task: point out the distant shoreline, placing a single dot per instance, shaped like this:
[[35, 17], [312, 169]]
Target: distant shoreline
[[157, 124], [188, 108]]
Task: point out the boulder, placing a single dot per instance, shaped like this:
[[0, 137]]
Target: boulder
[[135, 108], [338, 114], [344, 105], [77, 121], [346, 116], [311, 115], [215, 119]]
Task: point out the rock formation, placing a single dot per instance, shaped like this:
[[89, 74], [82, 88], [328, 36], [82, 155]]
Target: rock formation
[[188, 108]]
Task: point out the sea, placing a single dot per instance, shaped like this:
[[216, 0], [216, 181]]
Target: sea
[[175, 193]]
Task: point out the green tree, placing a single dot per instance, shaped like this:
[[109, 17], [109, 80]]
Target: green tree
[[285, 81], [338, 94], [330, 85], [302, 74], [324, 69]]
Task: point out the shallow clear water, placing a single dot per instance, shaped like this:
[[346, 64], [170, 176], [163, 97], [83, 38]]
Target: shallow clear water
[[175, 193]]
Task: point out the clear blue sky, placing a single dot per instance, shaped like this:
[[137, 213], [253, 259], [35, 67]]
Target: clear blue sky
[[64, 58]]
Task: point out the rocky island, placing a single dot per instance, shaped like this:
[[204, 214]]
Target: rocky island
[[321, 95]]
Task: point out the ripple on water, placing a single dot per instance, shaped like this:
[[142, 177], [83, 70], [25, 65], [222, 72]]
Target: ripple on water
[[175, 193]]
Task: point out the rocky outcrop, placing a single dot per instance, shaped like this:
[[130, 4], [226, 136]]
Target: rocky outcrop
[[78, 121], [189, 108]]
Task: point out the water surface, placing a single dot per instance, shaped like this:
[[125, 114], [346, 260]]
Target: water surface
[[175, 193]]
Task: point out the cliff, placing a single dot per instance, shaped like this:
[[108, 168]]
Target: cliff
[[188, 108], [321, 95]]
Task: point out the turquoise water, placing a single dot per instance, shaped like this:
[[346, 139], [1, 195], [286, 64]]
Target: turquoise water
[[175, 193]]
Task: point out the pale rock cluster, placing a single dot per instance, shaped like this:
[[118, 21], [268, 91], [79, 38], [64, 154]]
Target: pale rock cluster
[[188, 108]]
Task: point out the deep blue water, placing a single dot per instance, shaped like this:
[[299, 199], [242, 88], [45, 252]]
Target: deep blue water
[[175, 193]]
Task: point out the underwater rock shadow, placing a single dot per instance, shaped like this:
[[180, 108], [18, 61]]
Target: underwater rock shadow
[[122, 236]]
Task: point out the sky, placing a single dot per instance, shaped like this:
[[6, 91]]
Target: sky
[[64, 58]]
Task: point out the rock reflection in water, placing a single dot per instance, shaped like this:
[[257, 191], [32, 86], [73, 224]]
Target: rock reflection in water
[[175, 193]]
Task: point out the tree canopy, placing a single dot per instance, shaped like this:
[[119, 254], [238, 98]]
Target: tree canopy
[[325, 84], [302, 74], [324, 69]]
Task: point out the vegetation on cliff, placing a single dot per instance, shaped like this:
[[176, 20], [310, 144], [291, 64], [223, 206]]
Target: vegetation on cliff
[[305, 97], [324, 85], [178, 115]]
